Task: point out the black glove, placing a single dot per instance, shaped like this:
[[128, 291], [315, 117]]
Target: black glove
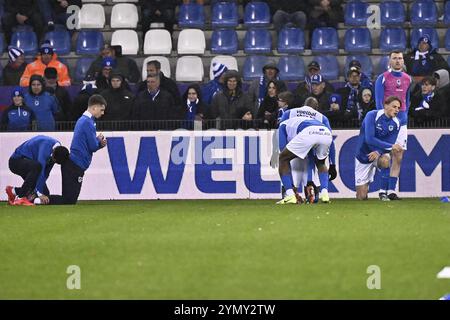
[[332, 173]]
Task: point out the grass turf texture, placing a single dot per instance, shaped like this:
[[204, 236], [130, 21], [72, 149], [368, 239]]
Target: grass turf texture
[[225, 249]]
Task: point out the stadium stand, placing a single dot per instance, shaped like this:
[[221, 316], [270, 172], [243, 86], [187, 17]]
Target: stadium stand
[[189, 68], [392, 13], [356, 13], [419, 32], [157, 41], [358, 40], [192, 16], [82, 67], [257, 41], [91, 16], [253, 67], [329, 66], [59, 39], [256, 14], [25, 39], [229, 61], [224, 15], [291, 68], [191, 41], [366, 63], [392, 39], [423, 13], [124, 15], [165, 66], [224, 41], [128, 39], [325, 40], [291, 40], [89, 42]]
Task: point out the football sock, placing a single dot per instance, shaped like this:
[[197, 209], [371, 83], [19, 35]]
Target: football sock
[[323, 177], [286, 180], [392, 184], [384, 180]]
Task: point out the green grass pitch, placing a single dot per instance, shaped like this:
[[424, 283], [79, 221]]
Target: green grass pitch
[[225, 249]]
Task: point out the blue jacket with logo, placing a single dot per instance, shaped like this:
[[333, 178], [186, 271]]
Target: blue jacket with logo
[[17, 118]]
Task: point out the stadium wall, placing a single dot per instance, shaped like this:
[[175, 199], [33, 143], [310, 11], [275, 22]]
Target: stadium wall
[[226, 165]]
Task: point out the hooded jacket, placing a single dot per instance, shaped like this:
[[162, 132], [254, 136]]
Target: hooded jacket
[[120, 102], [38, 67], [44, 105]]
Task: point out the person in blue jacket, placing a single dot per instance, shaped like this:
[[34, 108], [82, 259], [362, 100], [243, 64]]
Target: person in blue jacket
[[44, 105], [33, 160], [18, 116]]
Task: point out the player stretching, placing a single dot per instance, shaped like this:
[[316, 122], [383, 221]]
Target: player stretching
[[297, 136], [377, 137]]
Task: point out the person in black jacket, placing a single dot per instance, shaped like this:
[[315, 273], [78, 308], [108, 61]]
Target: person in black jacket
[[154, 68], [428, 104], [158, 11], [17, 117], [16, 66], [120, 104], [81, 100], [155, 104], [288, 13], [194, 108], [22, 13], [60, 93], [268, 110]]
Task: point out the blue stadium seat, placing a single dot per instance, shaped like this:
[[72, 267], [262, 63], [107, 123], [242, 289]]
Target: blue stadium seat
[[253, 67], [423, 13], [60, 39], [447, 40], [25, 39], [392, 39], [224, 41], [392, 13], [447, 13], [366, 63], [224, 15], [448, 60], [257, 41], [382, 65], [256, 14], [325, 40], [291, 40], [329, 66], [82, 66], [291, 68], [191, 15], [358, 40], [419, 32], [356, 13], [89, 42]]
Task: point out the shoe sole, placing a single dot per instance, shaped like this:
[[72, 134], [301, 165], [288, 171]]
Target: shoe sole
[[11, 196]]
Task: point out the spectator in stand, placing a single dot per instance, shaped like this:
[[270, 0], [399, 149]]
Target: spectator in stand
[[15, 68], [351, 95], [103, 80], [194, 108], [245, 116], [226, 102], [323, 97], [428, 104], [155, 103], [61, 94], [47, 58], [258, 88], [154, 68], [126, 66], [18, 116], [55, 11], [288, 13], [424, 60], [367, 102], [44, 105], [161, 11], [325, 13], [443, 87], [285, 100], [365, 80], [119, 101], [216, 84], [22, 13], [304, 88], [81, 100], [268, 110]]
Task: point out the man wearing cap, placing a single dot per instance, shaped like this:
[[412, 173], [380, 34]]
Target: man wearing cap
[[18, 116], [258, 88], [351, 95], [318, 91], [60, 93], [126, 66], [216, 84], [304, 88], [103, 79], [424, 60], [47, 58], [15, 68], [365, 80]]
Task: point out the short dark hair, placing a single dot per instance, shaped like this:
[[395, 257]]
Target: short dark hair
[[390, 99], [60, 154], [395, 51], [429, 80], [312, 102], [286, 96], [156, 63], [96, 99]]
